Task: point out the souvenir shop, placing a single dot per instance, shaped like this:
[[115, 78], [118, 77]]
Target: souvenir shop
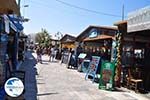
[[135, 48], [68, 42], [10, 27]]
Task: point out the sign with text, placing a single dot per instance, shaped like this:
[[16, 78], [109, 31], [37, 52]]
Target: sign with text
[[139, 20], [93, 33], [107, 75], [93, 67]]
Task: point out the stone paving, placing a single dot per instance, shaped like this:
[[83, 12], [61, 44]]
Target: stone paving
[[56, 82]]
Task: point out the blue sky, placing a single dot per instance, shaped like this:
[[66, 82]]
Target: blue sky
[[54, 16]]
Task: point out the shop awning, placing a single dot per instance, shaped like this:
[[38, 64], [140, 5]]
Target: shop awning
[[9, 6], [100, 37]]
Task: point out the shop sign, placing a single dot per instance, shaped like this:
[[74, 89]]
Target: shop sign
[[93, 67], [14, 87], [139, 20], [107, 75], [93, 33]]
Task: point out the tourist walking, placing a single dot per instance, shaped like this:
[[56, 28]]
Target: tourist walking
[[39, 54], [52, 54]]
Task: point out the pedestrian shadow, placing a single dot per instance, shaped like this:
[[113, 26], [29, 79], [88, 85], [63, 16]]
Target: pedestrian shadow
[[118, 90], [54, 61], [40, 83], [44, 63], [44, 94]]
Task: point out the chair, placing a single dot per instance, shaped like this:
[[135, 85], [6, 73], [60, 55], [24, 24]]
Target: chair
[[133, 82]]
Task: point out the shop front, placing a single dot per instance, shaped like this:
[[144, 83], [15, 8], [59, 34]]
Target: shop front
[[96, 43], [97, 40], [68, 42], [135, 51], [9, 36]]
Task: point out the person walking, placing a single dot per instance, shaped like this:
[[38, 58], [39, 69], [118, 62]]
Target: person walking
[[52, 54], [39, 54]]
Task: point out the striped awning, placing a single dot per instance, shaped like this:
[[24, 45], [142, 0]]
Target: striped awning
[[9, 6]]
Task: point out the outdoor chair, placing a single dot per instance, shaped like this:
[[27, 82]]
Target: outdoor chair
[[133, 82]]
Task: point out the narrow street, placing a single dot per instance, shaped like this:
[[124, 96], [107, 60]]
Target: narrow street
[[56, 82], [108, 40]]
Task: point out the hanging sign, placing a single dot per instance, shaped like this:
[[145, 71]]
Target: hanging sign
[[107, 75], [93, 33]]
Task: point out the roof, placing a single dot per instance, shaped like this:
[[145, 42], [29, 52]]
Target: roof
[[68, 38], [120, 22], [9, 7], [54, 39], [94, 26], [100, 37]]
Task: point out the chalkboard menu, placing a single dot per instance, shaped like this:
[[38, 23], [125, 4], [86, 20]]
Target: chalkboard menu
[[93, 67], [107, 75]]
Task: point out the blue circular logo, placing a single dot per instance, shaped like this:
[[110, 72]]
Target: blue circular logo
[[14, 87]]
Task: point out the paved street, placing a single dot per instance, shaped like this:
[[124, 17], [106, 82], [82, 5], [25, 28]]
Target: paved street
[[56, 82]]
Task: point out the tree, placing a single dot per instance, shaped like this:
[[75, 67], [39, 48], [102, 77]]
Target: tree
[[43, 38]]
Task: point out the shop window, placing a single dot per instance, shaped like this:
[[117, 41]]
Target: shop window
[[127, 55], [139, 56], [139, 53]]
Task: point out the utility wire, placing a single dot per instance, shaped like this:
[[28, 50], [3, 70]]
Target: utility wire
[[87, 10], [81, 8]]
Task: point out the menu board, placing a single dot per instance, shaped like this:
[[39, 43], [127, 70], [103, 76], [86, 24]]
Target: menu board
[[85, 65], [107, 75], [93, 67]]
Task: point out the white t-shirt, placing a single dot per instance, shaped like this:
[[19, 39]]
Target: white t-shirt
[[52, 51]]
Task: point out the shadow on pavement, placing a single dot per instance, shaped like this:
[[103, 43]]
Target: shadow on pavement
[[40, 83], [45, 60], [30, 76], [43, 94]]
